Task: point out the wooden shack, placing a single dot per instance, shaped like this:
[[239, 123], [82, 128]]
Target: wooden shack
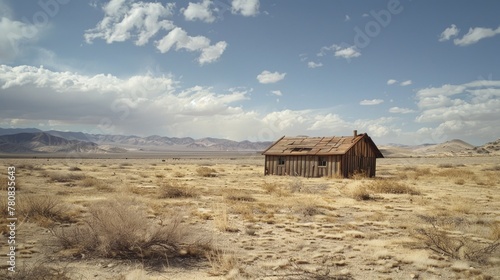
[[322, 156]]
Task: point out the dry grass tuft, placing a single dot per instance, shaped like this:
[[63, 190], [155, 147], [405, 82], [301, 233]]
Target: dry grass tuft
[[60, 177], [391, 186], [206, 172], [176, 189], [120, 229], [43, 209], [361, 193], [36, 271], [237, 195], [222, 262], [275, 188]]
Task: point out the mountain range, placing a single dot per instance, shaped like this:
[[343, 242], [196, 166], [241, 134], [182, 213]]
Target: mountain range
[[32, 140]]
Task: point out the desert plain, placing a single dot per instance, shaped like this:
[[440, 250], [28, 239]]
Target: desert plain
[[219, 217]]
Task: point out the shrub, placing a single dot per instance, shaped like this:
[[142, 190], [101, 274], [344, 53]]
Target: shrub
[[391, 186], [75, 168], [458, 246], [206, 172], [176, 189], [120, 229], [361, 193]]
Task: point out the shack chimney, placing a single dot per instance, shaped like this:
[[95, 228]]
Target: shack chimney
[[355, 133]]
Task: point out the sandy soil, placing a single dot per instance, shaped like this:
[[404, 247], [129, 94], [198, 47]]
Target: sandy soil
[[435, 218]]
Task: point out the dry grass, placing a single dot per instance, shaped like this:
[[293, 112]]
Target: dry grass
[[238, 195], [43, 209], [205, 171], [120, 229], [176, 189], [450, 237], [36, 271], [391, 186], [221, 262], [59, 177], [361, 193]]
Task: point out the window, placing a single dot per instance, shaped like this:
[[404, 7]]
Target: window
[[322, 161], [281, 161]]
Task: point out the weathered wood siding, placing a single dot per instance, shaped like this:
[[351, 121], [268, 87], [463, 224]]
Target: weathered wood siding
[[302, 165]]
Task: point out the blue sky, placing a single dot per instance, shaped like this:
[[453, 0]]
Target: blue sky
[[403, 71]]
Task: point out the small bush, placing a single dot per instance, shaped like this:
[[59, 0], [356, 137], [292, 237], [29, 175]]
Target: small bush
[[391, 186], [206, 172], [440, 235], [176, 189], [361, 193], [75, 168], [120, 229]]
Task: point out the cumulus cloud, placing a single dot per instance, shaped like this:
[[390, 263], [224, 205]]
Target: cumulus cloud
[[391, 82], [406, 83], [312, 64], [125, 19], [277, 92], [398, 110], [464, 109], [147, 105], [448, 33], [346, 52], [475, 35], [267, 77], [181, 40], [367, 102], [199, 11], [245, 7]]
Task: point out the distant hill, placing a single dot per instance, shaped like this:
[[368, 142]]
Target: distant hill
[[32, 140], [492, 148], [41, 142], [36, 141]]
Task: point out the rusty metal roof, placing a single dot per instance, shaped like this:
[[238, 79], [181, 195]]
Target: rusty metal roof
[[334, 145]]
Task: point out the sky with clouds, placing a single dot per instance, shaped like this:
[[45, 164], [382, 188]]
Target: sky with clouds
[[403, 71]]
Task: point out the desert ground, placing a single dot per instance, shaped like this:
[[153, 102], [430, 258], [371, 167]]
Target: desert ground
[[211, 217]]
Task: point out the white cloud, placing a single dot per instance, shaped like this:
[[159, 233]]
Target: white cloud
[[347, 18], [277, 92], [448, 33], [124, 19], [391, 82], [406, 83], [398, 110], [14, 35], [267, 77], [181, 40], [346, 52], [460, 110], [475, 34], [245, 7], [199, 11], [371, 102], [312, 64]]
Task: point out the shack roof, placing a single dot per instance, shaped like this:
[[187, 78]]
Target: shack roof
[[333, 145]]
